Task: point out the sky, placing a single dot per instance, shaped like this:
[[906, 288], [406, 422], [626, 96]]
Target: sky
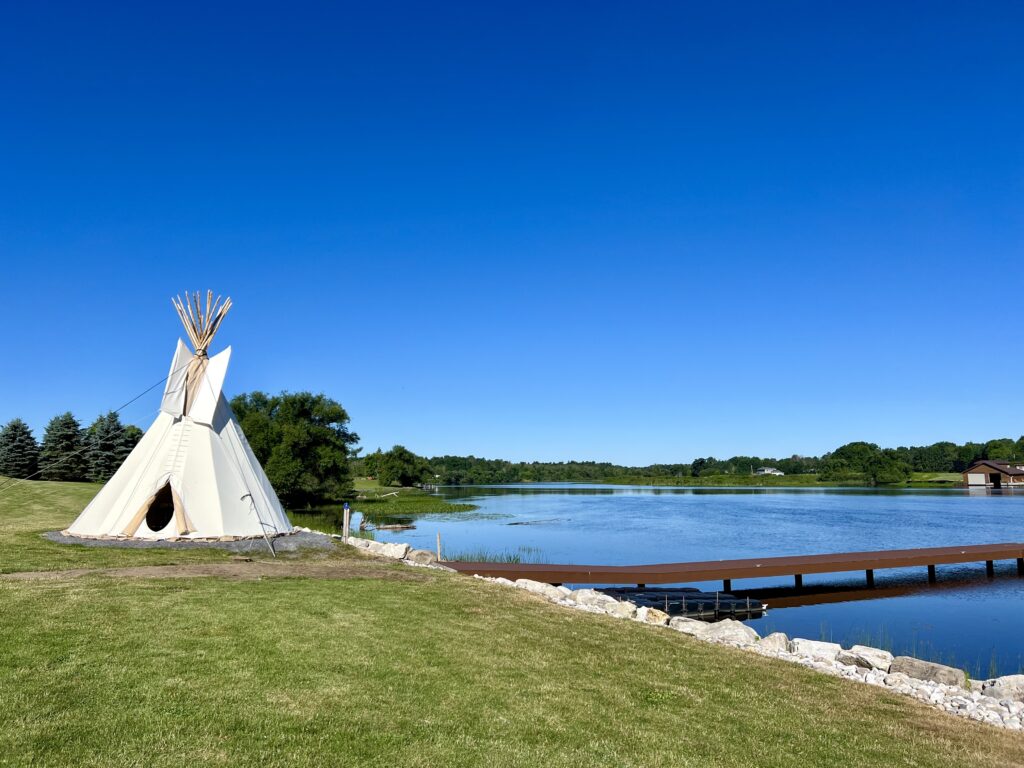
[[612, 231]]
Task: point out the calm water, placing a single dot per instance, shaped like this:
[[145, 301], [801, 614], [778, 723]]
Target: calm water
[[965, 620]]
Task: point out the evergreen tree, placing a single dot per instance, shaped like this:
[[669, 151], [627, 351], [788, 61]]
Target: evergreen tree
[[62, 456], [109, 443], [19, 451]]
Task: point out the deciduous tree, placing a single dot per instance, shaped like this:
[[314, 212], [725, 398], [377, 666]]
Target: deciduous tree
[[303, 442]]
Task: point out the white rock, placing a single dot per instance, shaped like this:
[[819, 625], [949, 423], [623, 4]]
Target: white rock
[[606, 604], [1007, 687], [392, 550], [651, 616], [592, 598], [927, 670], [355, 541], [688, 626], [421, 556], [731, 631], [539, 588], [876, 658], [815, 649], [621, 610], [776, 641]]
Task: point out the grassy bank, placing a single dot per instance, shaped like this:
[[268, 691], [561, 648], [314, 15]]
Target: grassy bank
[[340, 660], [380, 506], [373, 500]]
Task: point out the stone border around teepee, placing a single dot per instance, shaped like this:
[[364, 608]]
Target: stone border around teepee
[[997, 701], [282, 542]]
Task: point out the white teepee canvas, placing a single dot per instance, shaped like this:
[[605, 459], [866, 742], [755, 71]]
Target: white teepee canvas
[[193, 474]]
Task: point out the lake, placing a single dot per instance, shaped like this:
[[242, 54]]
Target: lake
[[965, 620]]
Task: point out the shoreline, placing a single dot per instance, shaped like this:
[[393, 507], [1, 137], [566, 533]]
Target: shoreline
[[995, 701]]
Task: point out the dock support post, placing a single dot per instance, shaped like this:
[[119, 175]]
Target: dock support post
[[798, 581], [990, 568], [931, 574], [870, 574], [1020, 566], [727, 585], [346, 524]]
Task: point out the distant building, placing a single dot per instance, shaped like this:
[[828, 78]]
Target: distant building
[[768, 471], [995, 474]]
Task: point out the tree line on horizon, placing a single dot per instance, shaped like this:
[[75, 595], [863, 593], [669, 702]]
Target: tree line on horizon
[[856, 461], [303, 442]]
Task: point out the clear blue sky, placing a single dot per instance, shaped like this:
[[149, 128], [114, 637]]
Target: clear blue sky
[[618, 231]]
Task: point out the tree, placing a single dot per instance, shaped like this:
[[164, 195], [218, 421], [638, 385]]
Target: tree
[[62, 456], [109, 443], [372, 462], [698, 466], [867, 461], [886, 467], [1002, 449], [19, 451], [400, 466], [303, 442]]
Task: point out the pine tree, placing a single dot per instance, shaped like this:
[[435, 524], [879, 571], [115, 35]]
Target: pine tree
[[19, 451], [109, 443], [62, 456]]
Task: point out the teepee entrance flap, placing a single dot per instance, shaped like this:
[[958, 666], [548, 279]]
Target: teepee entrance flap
[[158, 511]]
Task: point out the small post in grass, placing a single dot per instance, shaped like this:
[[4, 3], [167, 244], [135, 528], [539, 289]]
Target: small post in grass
[[438, 545], [347, 518]]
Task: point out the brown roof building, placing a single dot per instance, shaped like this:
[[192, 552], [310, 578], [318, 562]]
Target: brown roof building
[[994, 474]]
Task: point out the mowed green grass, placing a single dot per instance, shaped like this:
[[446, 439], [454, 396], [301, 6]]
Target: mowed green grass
[[29, 509], [409, 667], [938, 477]]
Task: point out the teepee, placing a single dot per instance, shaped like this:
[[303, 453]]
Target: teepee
[[193, 474]]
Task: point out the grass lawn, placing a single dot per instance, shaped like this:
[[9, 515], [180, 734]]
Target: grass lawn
[[344, 660], [937, 477], [28, 509]]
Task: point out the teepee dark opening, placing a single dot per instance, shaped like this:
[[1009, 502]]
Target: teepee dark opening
[[161, 511]]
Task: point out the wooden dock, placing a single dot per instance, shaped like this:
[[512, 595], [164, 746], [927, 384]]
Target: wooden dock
[[727, 571]]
